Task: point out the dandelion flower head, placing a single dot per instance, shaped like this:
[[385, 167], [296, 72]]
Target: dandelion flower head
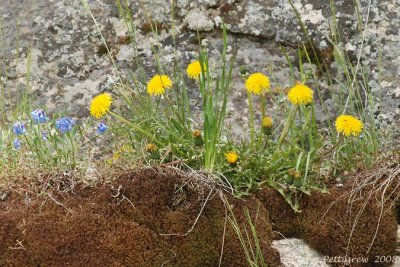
[[294, 173], [196, 133], [151, 147], [257, 83], [267, 122], [194, 70], [300, 94], [348, 125], [158, 84], [100, 105], [122, 150], [231, 157]]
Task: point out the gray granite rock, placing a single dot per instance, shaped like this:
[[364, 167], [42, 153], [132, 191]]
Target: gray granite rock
[[58, 44], [296, 253]]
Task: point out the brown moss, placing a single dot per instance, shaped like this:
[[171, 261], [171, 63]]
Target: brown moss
[[144, 219], [124, 224], [328, 221], [342, 224], [283, 219]]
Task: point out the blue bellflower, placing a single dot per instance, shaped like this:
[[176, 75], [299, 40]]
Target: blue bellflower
[[39, 116], [65, 124], [101, 128], [19, 128], [44, 135], [17, 143]]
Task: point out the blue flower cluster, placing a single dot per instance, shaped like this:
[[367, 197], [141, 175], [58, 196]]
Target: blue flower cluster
[[19, 128], [17, 143], [39, 116], [64, 125], [44, 135], [102, 128]]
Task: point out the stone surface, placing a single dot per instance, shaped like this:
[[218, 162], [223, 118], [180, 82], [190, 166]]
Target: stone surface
[[398, 240], [296, 253], [53, 50]]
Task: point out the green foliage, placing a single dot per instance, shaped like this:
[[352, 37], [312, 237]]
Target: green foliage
[[215, 98]]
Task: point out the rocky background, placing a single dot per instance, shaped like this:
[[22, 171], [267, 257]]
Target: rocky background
[[58, 44]]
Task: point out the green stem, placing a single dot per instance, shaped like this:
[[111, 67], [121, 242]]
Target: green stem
[[287, 126], [251, 120], [300, 117], [330, 150], [263, 106], [175, 112], [308, 113], [266, 142], [263, 114], [145, 133]]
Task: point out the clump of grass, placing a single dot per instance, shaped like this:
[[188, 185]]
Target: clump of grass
[[247, 235]]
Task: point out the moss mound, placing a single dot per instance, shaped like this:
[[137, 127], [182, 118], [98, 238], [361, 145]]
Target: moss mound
[[355, 228], [351, 221], [283, 219], [142, 219]]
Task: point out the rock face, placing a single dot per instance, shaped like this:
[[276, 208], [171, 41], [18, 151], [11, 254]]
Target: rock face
[[143, 219], [296, 253], [58, 45]]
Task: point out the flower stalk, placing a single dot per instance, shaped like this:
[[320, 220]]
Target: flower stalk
[[288, 124]]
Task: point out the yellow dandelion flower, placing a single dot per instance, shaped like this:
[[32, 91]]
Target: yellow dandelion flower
[[120, 151], [296, 175], [158, 84], [151, 147], [194, 70], [348, 125], [257, 83], [267, 122], [267, 125], [231, 157], [197, 138], [300, 94], [100, 105], [196, 133]]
